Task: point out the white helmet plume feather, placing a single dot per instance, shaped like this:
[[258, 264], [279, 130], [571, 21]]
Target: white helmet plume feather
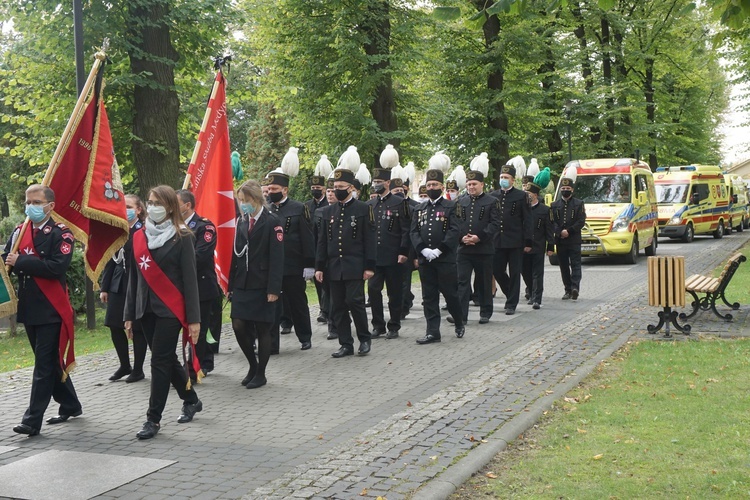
[[398, 171], [480, 163], [533, 168], [389, 157], [363, 175], [410, 171], [458, 175], [571, 173], [440, 161], [520, 165], [323, 167], [290, 163], [350, 159]]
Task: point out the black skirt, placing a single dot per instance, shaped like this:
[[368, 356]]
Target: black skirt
[[253, 305], [115, 308]]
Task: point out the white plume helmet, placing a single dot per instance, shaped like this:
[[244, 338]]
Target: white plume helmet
[[290, 163], [519, 164], [440, 161], [410, 171], [571, 173], [350, 159], [533, 168], [389, 157], [458, 175], [480, 163], [323, 167], [397, 171], [363, 175]]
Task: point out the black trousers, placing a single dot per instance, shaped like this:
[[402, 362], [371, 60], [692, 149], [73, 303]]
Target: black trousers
[[329, 314], [46, 382], [294, 295], [507, 270], [202, 348], [247, 333], [481, 265], [533, 275], [348, 297], [407, 296], [392, 276], [120, 341], [215, 329], [162, 335], [437, 278], [569, 259], [322, 293]]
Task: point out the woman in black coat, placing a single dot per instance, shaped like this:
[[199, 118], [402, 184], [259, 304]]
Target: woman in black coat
[[163, 295], [114, 287], [255, 279]]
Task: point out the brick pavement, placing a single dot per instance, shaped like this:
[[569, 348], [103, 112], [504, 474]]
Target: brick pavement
[[384, 425]]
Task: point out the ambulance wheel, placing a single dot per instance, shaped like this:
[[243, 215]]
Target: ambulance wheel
[[632, 256], [728, 229], [651, 249], [745, 223], [719, 233], [741, 227], [689, 234], [553, 260]]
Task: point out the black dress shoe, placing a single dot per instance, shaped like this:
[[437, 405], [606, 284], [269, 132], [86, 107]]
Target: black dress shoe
[[121, 372], [332, 336], [460, 330], [256, 382], [428, 339], [188, 412], [574, 294], [248, 378], [64, 418], [450, 320], [529, 302], [306, 345], [393, 334], [510, 312], [26, 429], [322, 318], [377, 333], [536, 305], [364, 348], [483, 320], [149, 430], [343, 351], [274, 352], [566, 296], [135, 377], [286, 330]]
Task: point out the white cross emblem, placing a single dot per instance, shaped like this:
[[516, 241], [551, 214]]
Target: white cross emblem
[[28, 251], [144, 262]]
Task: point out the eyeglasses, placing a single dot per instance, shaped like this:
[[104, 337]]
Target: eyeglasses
[[156, 203]]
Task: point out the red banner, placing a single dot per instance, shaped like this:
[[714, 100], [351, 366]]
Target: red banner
[[210, 176]]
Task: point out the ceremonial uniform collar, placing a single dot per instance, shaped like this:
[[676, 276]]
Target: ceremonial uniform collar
[[43, 223], [344, 204], [257, 216], [187, 221], [385, 197], [435, 202], [475, 198]]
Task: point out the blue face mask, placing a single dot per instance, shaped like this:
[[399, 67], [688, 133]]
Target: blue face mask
[[504, 183], [131, 214], [36, 213], [247, 208]]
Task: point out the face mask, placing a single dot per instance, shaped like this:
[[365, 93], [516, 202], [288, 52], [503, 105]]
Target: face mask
[[399, 194], [504, 183], [434, 194], [36, 213], [131, 214], [275, 197], [341, 194], [355, 195], [378, 188], [157, 214], [450, 195], [247, 208], [566, 194], [316, 193]]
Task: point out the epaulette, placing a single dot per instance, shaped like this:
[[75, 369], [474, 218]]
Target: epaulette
[[204, 219], [61, 226], [306, 212], [372, 215]]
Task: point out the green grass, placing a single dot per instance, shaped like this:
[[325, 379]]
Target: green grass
[[739, 288]]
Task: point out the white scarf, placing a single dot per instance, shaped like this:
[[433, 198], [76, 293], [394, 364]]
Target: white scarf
[[158, 234]]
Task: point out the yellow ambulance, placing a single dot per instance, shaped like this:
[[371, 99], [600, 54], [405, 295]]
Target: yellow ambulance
[[739, 217], [621, 209], [693, 199]]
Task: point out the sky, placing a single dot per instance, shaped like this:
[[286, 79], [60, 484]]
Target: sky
[[735, 129]]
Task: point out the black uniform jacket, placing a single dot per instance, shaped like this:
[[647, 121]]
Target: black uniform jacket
[[176, 258], [299, 243], [346, 242], [515, 219], [480, 216], [115, 276], [544, 239], [313, 206], [54, 249], [205, 245], [435, 226], [392, 225], [262, 267], [570, 215]]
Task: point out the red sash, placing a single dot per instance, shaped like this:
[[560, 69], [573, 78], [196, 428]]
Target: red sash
[[165, 290], [58, 297]]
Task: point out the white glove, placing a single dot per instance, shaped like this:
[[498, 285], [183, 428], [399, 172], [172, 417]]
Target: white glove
[[436, 253], [308, 273], [427, 253]]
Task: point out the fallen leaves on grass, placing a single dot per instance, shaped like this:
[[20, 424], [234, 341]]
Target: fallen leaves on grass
[[491, 475]]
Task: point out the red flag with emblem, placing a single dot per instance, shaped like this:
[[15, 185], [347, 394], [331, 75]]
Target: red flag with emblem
[[209, 177]]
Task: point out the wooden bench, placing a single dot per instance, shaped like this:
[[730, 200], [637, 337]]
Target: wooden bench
[[713, 288]]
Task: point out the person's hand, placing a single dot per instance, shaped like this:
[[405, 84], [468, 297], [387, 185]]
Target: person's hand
[[10, 260], [427, 253], [564, 233], [129, 329], [319, 276], [416, 263], [272, 297], [527, 249], [104, 296], [402, 259], [550, 253], [367, 275], [437, 253], [194, 329], [308, 273]]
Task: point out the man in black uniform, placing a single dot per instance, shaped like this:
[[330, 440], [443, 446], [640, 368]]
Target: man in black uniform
[[299, 256], [317, 232], [41, 262], [513, 238], [392, 248], [346, 258], [543, 244], [434, 234], [569, 217], [479, 219], [401, 188], [318, 200], [208, 286]]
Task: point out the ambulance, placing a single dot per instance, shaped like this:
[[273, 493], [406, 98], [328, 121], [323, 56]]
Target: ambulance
[[693, 199], [621, 209], [739, 217]]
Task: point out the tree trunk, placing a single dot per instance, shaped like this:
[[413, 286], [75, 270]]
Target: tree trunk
[[155, 147], [586, 68], [609, 101], [648, 91], [550, 101], [4, 207]]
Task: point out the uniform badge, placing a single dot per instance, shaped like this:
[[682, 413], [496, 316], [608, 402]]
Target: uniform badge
[[354, 221], [209, 227], [47, 230], [208, 236], [68, 237], [192, 224], [65, 248]]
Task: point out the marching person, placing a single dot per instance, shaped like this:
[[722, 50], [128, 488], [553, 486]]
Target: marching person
[[512, 239], [255, 280], [44, 254], [163, 295], [346, 259], [318, 200], [114, 289], [423, 193], [204, 232], [400, 188], [569, 217], [318, 224], [479, 219], [299, 256], [543, 240], [434, 234]]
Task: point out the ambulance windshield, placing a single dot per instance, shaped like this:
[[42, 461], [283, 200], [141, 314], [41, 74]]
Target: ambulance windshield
[[672, 193], [603, 188]]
